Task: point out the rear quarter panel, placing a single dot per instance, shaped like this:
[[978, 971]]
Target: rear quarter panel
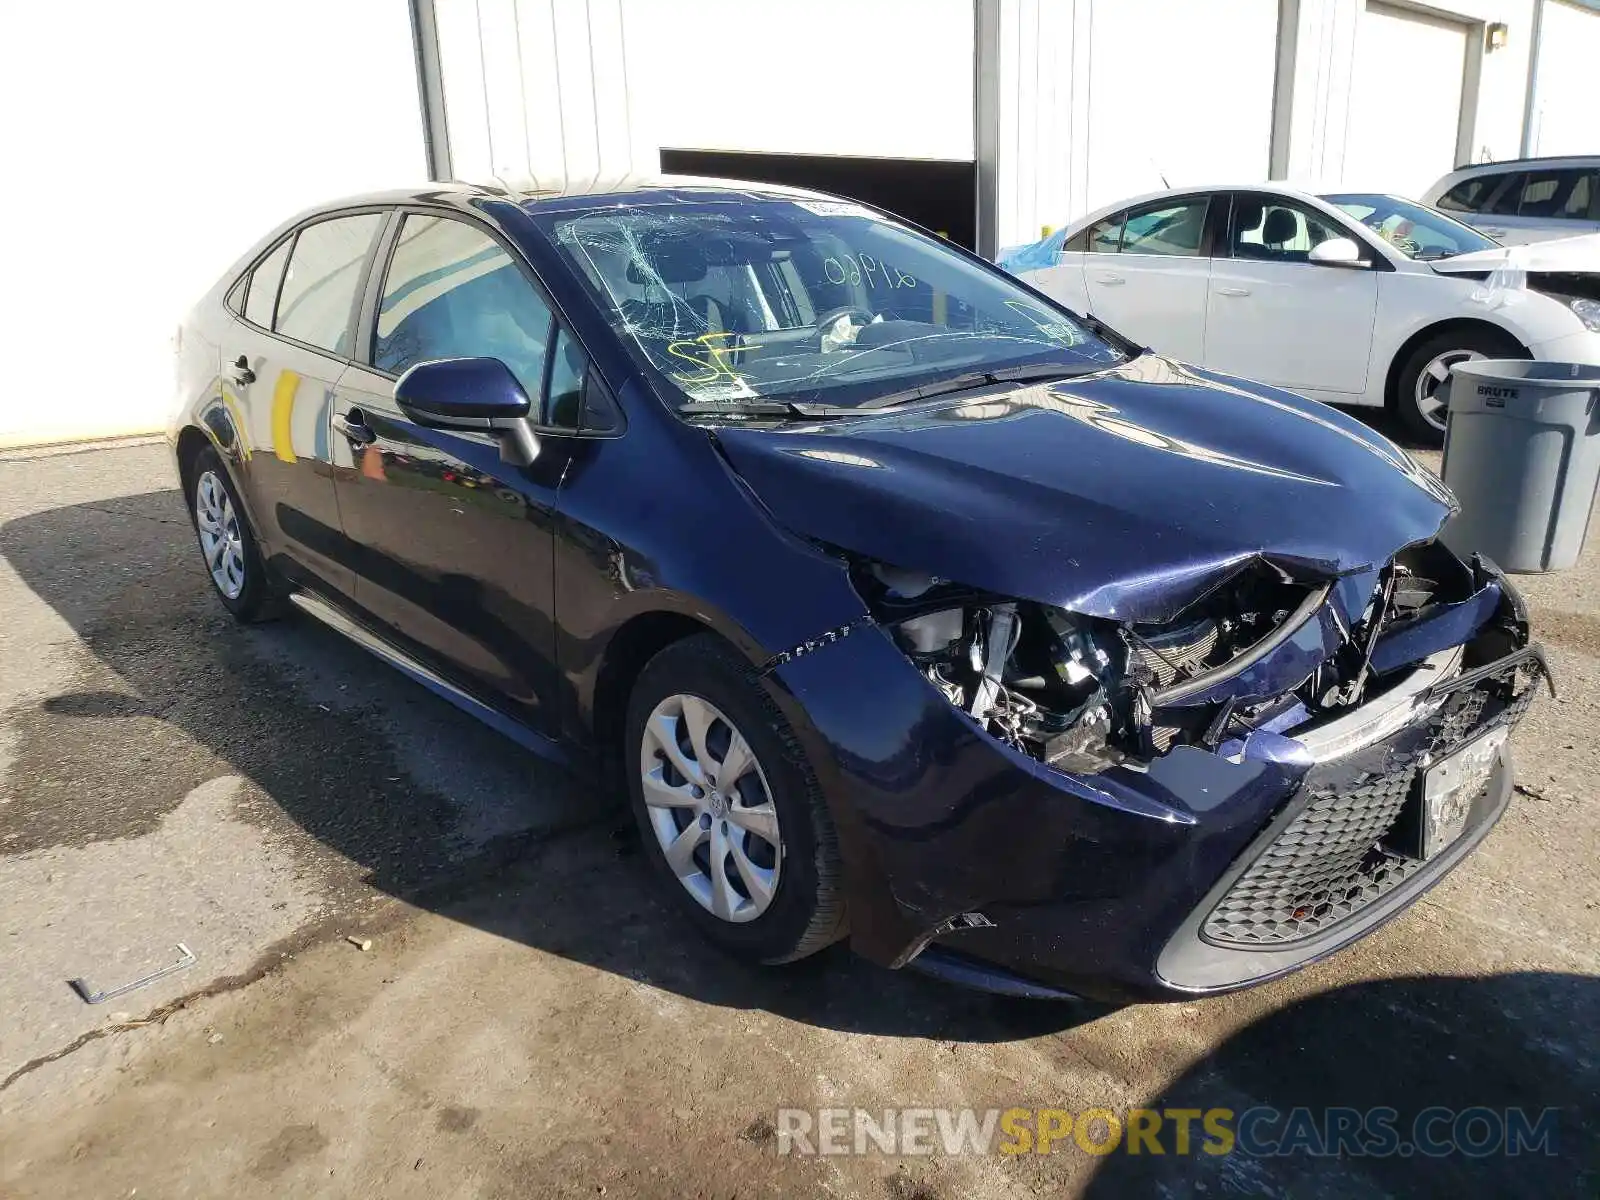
[[1064, 282]]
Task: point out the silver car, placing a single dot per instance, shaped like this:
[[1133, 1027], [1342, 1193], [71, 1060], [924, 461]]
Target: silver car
[[1525, 199]]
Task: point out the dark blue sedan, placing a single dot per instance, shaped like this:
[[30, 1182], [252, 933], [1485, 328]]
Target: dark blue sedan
[[906, 605]]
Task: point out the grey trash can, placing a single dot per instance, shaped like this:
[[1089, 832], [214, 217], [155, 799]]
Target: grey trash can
[[1522, 454]]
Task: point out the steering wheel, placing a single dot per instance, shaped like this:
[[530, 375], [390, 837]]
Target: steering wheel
[[825, 324]]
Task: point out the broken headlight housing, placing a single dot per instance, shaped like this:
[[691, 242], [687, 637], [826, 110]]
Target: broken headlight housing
[[1082, 693]]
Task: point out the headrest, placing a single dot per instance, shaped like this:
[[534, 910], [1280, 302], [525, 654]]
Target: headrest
[[1281, 227]]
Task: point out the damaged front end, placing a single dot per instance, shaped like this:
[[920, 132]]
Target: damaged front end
[[1263, 651]]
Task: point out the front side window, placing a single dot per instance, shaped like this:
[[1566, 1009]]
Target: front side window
[[1470, 194], [1417, 232], [452, 291], [263, 291], [805, 300], [1503, 201], [317, 302], [1168, 229], [568, 367], [1276, 229]]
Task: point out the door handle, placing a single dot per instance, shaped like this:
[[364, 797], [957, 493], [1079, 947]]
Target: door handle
[[1110, 280], [1233, 291], [241, 372], [1493, 232], [354, 428]]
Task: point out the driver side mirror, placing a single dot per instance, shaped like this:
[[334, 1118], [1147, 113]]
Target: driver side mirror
[[478, 394], [1337, 252]]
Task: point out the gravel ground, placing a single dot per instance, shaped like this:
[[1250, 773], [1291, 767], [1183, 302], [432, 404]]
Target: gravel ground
[[528, 1020]]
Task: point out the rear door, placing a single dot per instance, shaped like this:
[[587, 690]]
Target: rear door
[[1154, 288], [453, 546], [284, 352], [1274, 316]]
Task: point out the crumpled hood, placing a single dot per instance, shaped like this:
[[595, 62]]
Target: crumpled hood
[[1576, 254], [1125, 495]]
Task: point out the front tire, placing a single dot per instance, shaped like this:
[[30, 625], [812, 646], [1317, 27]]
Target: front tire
[[227, 544], [728, 807], [1418, 404]]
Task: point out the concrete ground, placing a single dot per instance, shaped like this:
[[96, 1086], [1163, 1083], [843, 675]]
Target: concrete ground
[[530, 1021]]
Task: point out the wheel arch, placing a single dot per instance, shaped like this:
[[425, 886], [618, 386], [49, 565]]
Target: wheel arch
[[191, 441], [636, 641], [1463, 325]]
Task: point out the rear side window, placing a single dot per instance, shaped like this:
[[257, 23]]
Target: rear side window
[[317, 301], [264, 281], [1558, 194], [452, 292], [1168, 229]]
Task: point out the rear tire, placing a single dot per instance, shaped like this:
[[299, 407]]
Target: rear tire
[[1426, 368], [777, 893], [228, 546]]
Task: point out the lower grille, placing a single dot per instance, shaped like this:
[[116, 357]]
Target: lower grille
[[1330, 861]]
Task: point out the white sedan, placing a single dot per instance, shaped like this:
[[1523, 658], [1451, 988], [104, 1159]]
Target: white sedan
[[1348, 299]]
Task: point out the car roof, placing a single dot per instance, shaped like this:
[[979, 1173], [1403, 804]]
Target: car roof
[[553, 195], [1511, 164], [1271, 188], [1507, 166]]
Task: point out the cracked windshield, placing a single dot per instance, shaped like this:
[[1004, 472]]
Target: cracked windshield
[[803, 301]]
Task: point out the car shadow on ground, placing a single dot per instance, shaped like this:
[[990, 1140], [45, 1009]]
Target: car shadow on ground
[[430, 806], [1425, 1047]]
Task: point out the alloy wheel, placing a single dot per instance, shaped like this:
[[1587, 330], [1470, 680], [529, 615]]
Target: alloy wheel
[[710, 808], [220, 539], [1430, 404]]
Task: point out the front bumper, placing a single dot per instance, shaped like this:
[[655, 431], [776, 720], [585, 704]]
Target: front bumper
[[1581, 347], [975, 862]]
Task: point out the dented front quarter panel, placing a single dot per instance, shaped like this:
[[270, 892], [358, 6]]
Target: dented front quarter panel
[[937, 818]]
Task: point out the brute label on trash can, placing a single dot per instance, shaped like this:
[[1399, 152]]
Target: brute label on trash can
[[1522, 454]]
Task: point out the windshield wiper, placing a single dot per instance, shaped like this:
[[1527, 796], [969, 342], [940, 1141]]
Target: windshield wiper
[[965, 382], [976, 379], [764, 408]]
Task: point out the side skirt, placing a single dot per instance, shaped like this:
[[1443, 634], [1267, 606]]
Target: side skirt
[[527, 738]]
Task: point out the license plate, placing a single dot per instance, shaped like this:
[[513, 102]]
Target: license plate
[[1451, 785]]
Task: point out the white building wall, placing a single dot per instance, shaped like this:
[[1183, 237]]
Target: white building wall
[[1327, 40], [1102, 99], [538, 89], [594, 88], [1566, 117], [147, 146]]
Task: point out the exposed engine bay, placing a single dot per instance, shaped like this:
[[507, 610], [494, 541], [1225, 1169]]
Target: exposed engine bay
[[1084, 694]]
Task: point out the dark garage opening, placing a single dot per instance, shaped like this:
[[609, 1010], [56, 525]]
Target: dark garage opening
[[937, 194]]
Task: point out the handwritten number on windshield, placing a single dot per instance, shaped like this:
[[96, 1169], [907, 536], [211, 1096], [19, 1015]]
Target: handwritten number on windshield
[[855, 269]]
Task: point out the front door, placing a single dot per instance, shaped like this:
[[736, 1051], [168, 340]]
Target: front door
[[452, 545], [1274, 316]]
